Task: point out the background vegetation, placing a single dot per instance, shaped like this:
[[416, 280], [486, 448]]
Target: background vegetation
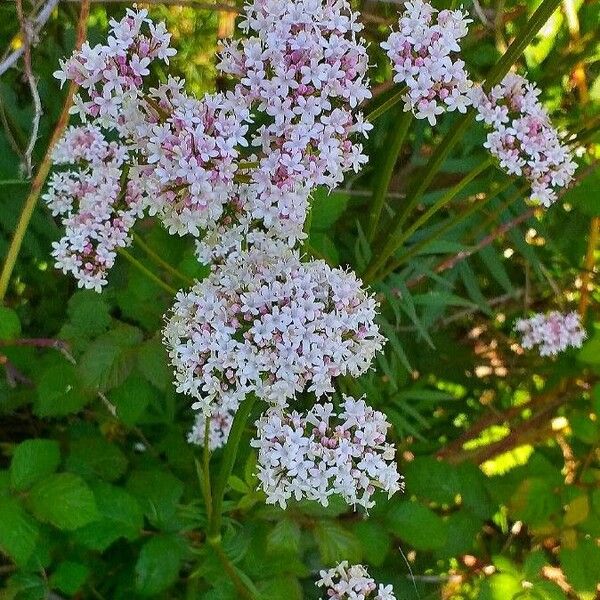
[[99, 494]]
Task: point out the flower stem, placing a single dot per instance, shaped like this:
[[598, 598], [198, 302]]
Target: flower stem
[[44, 168], [161, 262], [389, 243], [393, 145], [414, 250], [231, 448], [401, 236], [215, 513], [147, 272], [385, 106]]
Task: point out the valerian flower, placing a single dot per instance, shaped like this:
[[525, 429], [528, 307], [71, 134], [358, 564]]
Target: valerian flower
[[269, 324], [552, 333], [522, 137], [352, 582], [315, 455], [422, 56]]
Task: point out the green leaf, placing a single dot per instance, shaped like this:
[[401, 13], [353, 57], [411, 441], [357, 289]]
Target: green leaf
[[153, 363], [284, 537], [120, 516], [493, 262], [93, 457], [581, 565], [585, 196], [534, 501], [110, 358], [33, 460], [89, 313], [501, 586], [158, 564], [325, 246], [10, 325], [375, 541], [336, 543], [281, 588], [64, 500], [159, 493], [69, 577], [417, 525], [590, 351], [59, 391], [132, 398], [431, 479], [18, 532], [326, 208]]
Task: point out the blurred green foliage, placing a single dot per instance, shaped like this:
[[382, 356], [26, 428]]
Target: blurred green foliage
[[99, 493]]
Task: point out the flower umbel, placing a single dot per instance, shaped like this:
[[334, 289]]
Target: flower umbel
[[352, 582], [267, 323], [315, 455], [523, 138], [552, 333], [421, 53]]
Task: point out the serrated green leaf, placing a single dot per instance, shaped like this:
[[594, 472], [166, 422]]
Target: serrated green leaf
[[417, 525], [158, 564], [284, 537], [59, 391], [120, 516], [33, 460], [64, 500], [18, 532], [336, 543], [93, 457]]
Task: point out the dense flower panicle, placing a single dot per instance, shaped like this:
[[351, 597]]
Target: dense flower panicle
[[523, 138], [315, 455], [98, 202], [302, 67], [220, 422], [421, 53], [192, 147], [269, 324], [352, 582], [256, 220], [110, 75], [552, 333]]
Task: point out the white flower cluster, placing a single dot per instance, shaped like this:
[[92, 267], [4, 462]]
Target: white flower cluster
[[96, 208], [315, 455], [523, 138], [421, 53], [302, 66], [192, 147], [219, 426], [352, 582], [269, 324], [111, 74], [552, 333]]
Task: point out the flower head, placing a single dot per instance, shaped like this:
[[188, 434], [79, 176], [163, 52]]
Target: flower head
[[421, 53], [522, 137], [552, 333], [269, 324], [315, 455], [352, 582]]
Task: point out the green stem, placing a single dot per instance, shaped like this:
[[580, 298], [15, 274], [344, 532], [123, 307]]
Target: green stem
[[229, 456], [161, 262], [456, 133], [445, 199], [149, 274], [385, 106], [393, 145], [450, 224], [241, 588]]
